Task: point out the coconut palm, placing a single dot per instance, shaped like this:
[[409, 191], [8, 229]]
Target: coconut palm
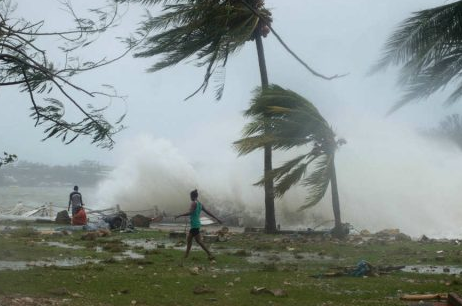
[[211, 31], [285, 120], [428, 48]]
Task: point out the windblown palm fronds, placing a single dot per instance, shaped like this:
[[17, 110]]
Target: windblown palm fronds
[[285, 120], [449, 129], [209, 30], [428, 47]]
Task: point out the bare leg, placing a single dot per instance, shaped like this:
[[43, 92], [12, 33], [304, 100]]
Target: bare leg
[[199, 241], [189, 244]]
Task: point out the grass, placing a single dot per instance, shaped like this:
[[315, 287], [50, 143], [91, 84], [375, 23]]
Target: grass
[[163, 278]]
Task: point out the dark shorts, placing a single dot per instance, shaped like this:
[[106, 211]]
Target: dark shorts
[[194, 231]]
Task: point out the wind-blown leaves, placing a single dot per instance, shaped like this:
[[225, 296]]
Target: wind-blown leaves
[[7, 158], [25, 62], [210, 31], [449, 129], [285, 120], [428, 47]]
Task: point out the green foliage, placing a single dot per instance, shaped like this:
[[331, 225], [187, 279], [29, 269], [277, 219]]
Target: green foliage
[[25, 63], [286, 120], [7, 158], [209, 30], [428, 48]]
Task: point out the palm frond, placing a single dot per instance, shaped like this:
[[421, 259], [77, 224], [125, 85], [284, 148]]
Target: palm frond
[[148, 2], [450, 128], [249, 144], [285, 120], [427, 46], [210, 31], [318, 181]]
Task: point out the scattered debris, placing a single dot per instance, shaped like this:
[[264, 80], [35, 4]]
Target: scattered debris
[[140, 221], [362, 269], [29, 301], [96, 234], [274, 292], [118, 220], [63, 218], [194, 271]]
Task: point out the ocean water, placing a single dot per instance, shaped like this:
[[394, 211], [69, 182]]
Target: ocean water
[[36, 196]]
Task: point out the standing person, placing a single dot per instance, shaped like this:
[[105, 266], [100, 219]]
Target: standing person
[[194, 217], [75, 199]]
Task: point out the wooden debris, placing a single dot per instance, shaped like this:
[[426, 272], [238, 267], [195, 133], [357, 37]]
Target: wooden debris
[[424, 297]]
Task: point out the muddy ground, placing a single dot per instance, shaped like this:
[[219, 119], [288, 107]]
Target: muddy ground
[[41, 266]]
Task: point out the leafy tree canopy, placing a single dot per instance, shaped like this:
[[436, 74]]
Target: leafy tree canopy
[[48, 85]]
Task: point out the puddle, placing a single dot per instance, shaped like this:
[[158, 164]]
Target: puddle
[[64, 245], [253, 257], [23, 265], [129, 255], [156, 244], [284, 257], [7, 228], [432, 269]]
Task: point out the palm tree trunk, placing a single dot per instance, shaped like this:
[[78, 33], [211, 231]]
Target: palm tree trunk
[[270, 218], [338, 230]]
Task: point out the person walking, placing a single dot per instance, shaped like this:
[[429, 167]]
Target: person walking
[[194, 217], [75, 200]]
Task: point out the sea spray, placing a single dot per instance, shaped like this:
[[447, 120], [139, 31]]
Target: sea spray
[[417, 189]]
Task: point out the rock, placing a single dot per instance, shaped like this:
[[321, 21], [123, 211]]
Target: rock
[[279, 292], [62, 217], [194, 271], [140, 221], [365, 232], [203, 289]]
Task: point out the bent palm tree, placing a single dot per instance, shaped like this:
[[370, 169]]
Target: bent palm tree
[[211, 31], [285, 120], [428, 47]]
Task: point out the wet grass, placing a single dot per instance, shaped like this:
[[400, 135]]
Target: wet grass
[[163, 278]]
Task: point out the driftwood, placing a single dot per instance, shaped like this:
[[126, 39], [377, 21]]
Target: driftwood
[[424, 297]]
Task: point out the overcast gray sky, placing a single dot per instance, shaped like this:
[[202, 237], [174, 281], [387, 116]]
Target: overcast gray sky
[[384, 164]]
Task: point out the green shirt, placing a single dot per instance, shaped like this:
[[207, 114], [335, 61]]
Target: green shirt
[[195, 216]]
